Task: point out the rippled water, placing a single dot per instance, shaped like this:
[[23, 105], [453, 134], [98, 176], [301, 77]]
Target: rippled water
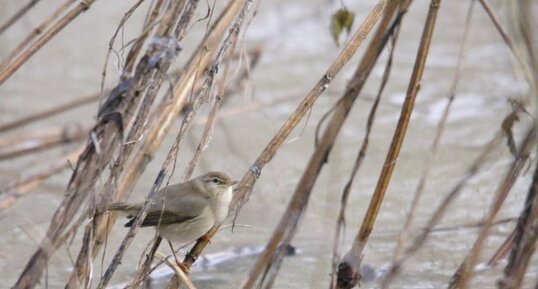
[[297, 50]]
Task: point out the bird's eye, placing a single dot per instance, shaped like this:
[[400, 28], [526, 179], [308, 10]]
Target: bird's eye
[[216, 181]]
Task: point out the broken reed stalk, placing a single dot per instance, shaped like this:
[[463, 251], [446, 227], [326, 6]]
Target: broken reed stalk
[[432, 154], [13, 66], [35, 32], [169, 33], [115, 114], [18, 15], [526, 232], [340, 220], [47, 113], [351, 261], [465, 272], [41, 141], [182, 89], [136, 47], [229, 41], [254, 53], [525, 240], [11, 192], [271, 258], [245, 186], [419, 240]]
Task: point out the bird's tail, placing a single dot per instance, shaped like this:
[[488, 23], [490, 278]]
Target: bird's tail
[[124, 208]]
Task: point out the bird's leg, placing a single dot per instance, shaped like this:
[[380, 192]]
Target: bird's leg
[[179, 264]]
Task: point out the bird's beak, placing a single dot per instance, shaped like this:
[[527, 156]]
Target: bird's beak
[[234, 183]]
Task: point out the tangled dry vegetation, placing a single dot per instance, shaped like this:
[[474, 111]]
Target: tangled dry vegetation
[[139, 110]]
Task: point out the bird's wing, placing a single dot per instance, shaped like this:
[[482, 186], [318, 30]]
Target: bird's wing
[[161, 218]]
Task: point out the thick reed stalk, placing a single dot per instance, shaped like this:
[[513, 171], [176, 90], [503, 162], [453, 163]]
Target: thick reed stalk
[[249, 179]]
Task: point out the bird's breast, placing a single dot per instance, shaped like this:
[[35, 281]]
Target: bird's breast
[[223, 203]]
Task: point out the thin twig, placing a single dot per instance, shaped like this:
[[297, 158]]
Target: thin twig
[[465, 271], [340, 221], [525, 239], [7, 71], [271, 258], [47, 113], [247, 182], [24, 9], [36, 143], [35, 32], [11, 192], [418, 241]]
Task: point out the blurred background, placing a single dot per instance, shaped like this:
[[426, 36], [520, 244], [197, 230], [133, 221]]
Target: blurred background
[[296, 48]]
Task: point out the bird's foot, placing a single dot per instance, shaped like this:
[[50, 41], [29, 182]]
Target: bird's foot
[[183, 267], [205, 239]]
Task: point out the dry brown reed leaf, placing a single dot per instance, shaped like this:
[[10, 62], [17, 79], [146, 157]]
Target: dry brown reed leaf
[[198, 63], [223, 53], [170, 28], [114, 115]]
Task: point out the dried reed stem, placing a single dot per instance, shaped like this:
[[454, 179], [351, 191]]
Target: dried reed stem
[[24, 9], [340, 221], [249, 179], [199, 61], [169, 32], [503, 250], [465, 271], [115, 114], [270, 259], [47, 113], [432, 154], [35, 32], [13, 66], [11, 192], [441, 209], [352, 260], [525, 240], [497, 24], [12, 148]]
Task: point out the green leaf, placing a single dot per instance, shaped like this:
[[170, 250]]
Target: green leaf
[[341, 19]]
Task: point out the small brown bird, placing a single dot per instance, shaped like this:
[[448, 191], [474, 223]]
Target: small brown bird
[[184, 212]]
